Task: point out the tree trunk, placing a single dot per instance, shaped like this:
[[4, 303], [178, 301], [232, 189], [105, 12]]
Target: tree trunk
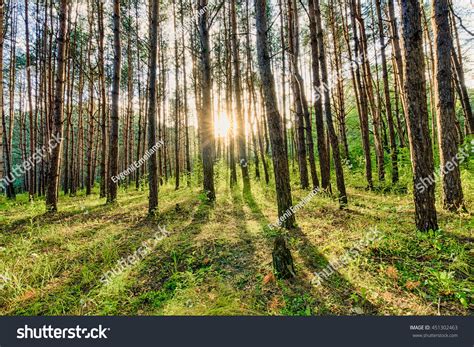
[[205, 117], [31, 172], [386, 88], [362, 102], [185, 101], [418, 129], [318, 106], [177, 104], [241, 141], [445, 108], [103, 101], [114, 115], [2, 123], [341, 186], [280, 160], [298, 93], [57, 126], [152, 162]]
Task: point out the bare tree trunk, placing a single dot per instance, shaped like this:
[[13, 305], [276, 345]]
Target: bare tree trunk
[[103, 101], [185, 101], [282, 260], [445, 108], [283, 71], [57, 126], [90, 137], [280, 160], [297, 87], [205, 117], [323, 151], [114, 116], [2, 123], [229, 96], [368, 91], [341, 108], [386, 89], [363, 107], [418, 130], [398, 66], [177, 104], [341, 186], [32, 177], [241, 141], [152, 162]]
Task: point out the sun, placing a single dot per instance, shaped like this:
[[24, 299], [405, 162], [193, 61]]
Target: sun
[[221, 125]]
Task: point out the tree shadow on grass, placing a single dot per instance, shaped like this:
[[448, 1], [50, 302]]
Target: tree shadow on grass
[[40, 220], [157, 276], [244, 258], [341, 289], [85, 269]]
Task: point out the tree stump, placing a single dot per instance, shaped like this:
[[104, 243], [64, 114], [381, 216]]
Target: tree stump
[[282, 259]]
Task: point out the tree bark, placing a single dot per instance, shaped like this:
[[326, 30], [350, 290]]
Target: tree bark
[[298, 92], [241, 141], [323, 151], [2, 123], [205, 117], [103, 101], [341, 186], [57, 126], [418, 129], [152, 162], [114, 115], [280, 160], [386, 89], [445, 108]]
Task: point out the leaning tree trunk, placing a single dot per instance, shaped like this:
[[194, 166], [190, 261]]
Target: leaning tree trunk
[[445, 108], [281, 256], [57, 125], [418, 129]]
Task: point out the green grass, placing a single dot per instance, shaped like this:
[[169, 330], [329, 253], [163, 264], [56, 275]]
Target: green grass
[[217, 260]]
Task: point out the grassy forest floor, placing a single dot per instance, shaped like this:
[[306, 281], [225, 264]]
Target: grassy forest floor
[[217, 259]]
